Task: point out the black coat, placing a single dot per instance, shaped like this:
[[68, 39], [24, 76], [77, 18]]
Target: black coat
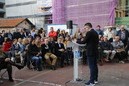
[[8, 35], [17, 35], [91, 40], [57, 47], [52, 46], [45, 49], [33, 50], [126, 36], [1, 40]]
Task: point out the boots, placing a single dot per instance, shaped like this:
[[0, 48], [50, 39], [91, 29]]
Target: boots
[[9, 69], [19, 66]]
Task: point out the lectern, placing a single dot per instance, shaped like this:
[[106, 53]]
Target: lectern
[[77, 56]]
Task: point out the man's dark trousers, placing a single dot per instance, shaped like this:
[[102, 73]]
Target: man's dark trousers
[[92, 62]]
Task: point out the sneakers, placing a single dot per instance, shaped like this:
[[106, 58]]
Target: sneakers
[[89, 84], [96, 82]]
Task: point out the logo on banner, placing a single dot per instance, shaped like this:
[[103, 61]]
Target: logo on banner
[[77, 54]]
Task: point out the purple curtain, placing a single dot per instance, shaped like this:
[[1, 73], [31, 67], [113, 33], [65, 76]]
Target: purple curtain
[[58, 9], [98, 12]]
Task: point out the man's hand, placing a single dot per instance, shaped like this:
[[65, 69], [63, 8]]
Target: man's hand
[[75, 40], [82, 39], [7, 59]]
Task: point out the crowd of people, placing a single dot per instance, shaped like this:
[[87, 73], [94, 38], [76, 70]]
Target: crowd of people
[[36, 47], [33, 49], [114, 44]]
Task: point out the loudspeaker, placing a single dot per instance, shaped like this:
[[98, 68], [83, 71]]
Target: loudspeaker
[[70, 24]]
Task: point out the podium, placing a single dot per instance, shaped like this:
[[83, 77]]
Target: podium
[[77, 56]]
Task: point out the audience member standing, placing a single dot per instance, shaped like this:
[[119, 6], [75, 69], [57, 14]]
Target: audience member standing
[[53, 33]]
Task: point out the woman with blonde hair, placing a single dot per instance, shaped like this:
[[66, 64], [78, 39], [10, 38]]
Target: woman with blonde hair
[[35, 54]]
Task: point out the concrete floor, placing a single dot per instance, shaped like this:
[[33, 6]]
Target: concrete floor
[[109, 75]]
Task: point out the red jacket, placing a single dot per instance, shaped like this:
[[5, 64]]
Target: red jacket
[[53, 34], [6, 46]]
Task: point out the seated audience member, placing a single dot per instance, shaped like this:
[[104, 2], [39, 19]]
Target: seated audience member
[[62, 34], [60, 51], [24, 53], [6, 45], [118, 46], [37, 34], [6, 63], [27, 57], [107, 49], [110, 34], [35, 55], [21, 49], [16, 34], [52, 43], [123, 34], [48, 55], [68, 47], [98, 30], [32, 33], [23, 33], [15, 51], [1, 39], [9, 35], [43, 34]]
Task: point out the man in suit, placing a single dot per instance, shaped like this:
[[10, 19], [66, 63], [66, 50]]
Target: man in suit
[[92, 41], [48, 55], [60, 51]]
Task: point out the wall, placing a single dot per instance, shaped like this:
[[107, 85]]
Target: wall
[[8, 2], [6, 29], [25, 25], [19, 8], [30, 9], [25, 10]]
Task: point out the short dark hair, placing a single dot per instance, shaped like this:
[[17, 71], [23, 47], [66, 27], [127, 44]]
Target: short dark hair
[[88, 24]]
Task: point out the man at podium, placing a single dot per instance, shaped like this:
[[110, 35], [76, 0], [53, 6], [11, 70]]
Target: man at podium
[[91, 40]]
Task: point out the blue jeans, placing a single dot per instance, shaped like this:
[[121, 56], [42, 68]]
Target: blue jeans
[[92, 62], [38, 61]]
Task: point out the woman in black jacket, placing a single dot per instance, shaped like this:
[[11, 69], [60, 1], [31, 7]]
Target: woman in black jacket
[[34, 53]]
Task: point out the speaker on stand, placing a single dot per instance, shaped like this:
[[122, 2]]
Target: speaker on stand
[[70, 26]]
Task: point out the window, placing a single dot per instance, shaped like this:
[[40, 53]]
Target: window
[[116, 13], [2, 15], [1, 5], [120, 14], [48, 19]]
